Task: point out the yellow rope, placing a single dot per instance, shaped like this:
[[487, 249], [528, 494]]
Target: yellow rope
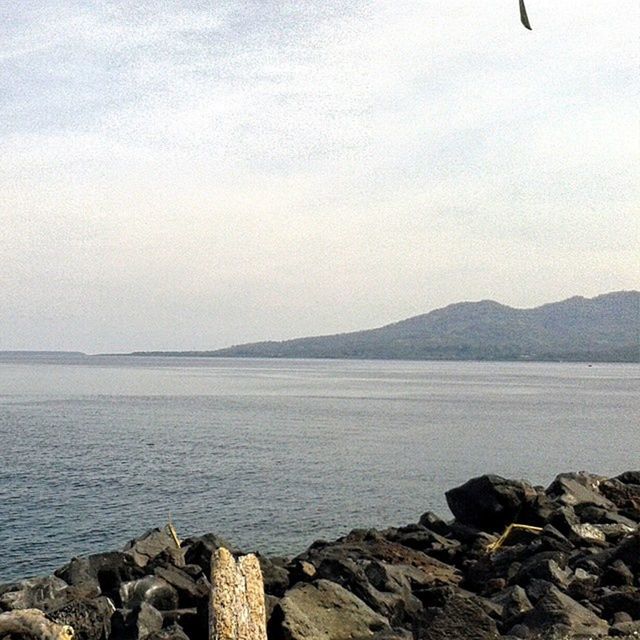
[[494, 546]]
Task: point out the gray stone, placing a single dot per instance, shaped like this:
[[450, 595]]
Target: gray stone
[[459, 619], [151, 544], [489, 502], [35, 593], [324, 610], [557, 612], [150, 589]]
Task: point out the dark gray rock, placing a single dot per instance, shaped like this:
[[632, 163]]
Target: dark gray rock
[[136, 624], [571, 489], [625, 496], [618, 574], [625, 599], [151, 544], [324, 609], [35, 593], [274, 575], [173, 632], [514, 602], [189, 590], [90, 619], [626, 629], [489, 502], [101, 572], [460, 618], [544, 566], [151, 590], [558, 613], [432, 522], [199, 550], [629, 477]]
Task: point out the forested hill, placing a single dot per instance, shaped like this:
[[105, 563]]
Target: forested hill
[[604, 328]]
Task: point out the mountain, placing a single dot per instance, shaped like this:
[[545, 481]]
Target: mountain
[[604, 328]]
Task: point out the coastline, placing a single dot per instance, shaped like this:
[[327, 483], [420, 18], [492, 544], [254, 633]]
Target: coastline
[[573, 570]]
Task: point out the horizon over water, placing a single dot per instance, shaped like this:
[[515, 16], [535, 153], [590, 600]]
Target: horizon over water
[[274, 454]]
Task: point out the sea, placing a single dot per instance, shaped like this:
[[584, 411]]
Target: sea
[[274, 454]]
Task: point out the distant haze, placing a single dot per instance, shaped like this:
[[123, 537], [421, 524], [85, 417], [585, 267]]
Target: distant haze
[[189, 175]]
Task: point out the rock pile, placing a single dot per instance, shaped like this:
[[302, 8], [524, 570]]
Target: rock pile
[[574, 572]]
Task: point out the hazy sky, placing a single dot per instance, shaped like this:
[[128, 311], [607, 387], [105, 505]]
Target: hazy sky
[[185, 174]]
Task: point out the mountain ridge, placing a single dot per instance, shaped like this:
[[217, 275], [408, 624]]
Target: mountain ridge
[[603, 328]]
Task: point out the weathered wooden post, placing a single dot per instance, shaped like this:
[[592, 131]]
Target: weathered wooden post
[[236, 608]]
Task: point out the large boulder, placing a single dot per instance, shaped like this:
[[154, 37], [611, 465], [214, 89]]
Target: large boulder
[[324, 610], [489, 502]]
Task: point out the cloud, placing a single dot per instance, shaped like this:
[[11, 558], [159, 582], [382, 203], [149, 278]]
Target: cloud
[[309, 167]]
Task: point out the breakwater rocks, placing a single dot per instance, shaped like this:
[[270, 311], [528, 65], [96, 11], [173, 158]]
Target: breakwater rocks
[[570, 568]]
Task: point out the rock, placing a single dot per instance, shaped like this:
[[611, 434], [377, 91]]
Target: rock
[[32, 624], [174, 632], [625, 496], [369, 546], [199, 550], [151, 590], [373, 583], [544, 566], [626, 629], [151, 544], [90, 619], [618, 574], [489, 502], [300, 571], [588, 533], [323, 610], [623, 599], [597, 515], [432, 522], [35, 593], [189, 590], [558, 613], [583, 585], [629, 477], [137, 624], [571, 489], [274, 575], [423, 539], [553, 540], [459, 619], [629, 552], [514, 602], [520, 631], [101, 572]]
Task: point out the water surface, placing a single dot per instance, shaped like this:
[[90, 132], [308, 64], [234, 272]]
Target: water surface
[[273, 454]]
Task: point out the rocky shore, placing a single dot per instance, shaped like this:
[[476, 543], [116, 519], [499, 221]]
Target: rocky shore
[[570, 569]]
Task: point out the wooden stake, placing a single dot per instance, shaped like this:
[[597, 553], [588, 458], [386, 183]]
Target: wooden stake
[[237, 609]]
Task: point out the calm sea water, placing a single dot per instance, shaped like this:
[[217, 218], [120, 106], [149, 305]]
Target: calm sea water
[[275, 454]]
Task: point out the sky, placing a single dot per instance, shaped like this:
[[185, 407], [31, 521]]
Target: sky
[[191, 174]]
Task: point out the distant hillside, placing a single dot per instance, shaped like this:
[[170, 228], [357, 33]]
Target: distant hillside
[[604, 328]]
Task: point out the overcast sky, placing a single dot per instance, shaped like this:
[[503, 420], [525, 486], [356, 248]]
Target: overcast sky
[[185, 174]]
